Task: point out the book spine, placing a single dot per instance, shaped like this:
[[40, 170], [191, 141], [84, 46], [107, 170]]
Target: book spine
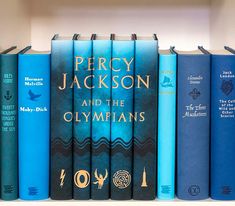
[[193, 132], [61, 119], [122, 126], [34, 126], [223, 127], [82, 124], [166, 127], [145, 122], [9, 136], [101, 114]]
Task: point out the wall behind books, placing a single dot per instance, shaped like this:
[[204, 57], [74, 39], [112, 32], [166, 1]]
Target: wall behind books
[[182, 23], [222, 23], [14, 23]]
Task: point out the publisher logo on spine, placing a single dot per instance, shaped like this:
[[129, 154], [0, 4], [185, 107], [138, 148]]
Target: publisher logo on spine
[[194, 190]]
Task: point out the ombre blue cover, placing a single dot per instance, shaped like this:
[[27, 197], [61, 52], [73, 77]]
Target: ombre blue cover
[[166, 126], [101, 129], [61, 186], [193, 126], [82, 129], [223, 127], [122, 132], [9, 132], [34, 125], [145, 132]]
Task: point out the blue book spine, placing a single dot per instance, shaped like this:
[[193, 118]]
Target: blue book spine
[[62, 63], [122, 127], [223, 127], [34, 125], [166, 127], [9, 132], [82, 124], [193, 122], [101, 116], [145, 122]]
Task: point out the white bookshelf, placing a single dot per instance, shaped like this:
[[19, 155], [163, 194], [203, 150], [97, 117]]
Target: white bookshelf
[[182, 23]]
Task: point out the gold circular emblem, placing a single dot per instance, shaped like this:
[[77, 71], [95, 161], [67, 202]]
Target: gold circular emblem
[[121, 179], [82, 182]]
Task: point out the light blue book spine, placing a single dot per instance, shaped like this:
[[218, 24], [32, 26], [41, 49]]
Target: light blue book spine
[[34, 125], [166, 126]]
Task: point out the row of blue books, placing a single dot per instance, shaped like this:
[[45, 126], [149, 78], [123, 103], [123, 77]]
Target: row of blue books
[[113, 117]]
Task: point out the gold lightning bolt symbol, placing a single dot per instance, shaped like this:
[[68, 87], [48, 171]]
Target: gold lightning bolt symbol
[[62, 176]]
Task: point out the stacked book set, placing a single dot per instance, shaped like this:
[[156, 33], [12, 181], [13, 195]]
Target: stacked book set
[[112, 117]]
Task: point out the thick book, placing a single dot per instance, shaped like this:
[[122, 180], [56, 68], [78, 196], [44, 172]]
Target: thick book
[[223, 125], [101, 117], [123, 52], [62, 63], [145, 118], [193, 125], [166, 125], [34, 124], [82, 122], [9, 132]]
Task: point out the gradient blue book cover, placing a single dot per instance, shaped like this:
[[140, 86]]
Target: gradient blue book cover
[[62, 62], [193, 125], [34, 125], [122, 124], [101, 118], [223, 126], [9, 132], [145, 118], [166, 126], [82, 124]]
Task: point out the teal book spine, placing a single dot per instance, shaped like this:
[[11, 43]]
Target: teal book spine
[[166, 126], [101, 115], [9, 136], [122, 121], [145, 124], [82, 120], [61, 186], [34, 125]]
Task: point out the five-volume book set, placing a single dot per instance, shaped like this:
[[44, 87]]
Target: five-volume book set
[[113, 117]]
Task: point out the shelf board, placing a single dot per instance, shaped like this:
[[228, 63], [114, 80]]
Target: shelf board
[[175, 202]]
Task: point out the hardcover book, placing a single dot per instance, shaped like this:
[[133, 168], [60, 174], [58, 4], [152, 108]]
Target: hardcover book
[[101, 118], [166, 125], [223, 125], [123, 51], [61, 118], [9, 132], [82, 122], [145, 118], [34, 124], [193, 127]]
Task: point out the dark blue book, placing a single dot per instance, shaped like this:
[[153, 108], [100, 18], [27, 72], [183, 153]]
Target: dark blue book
[[82, 124], [9, 132], [193, 125], [145, 121], [62, 63], [34, 124], [101, 118], [223, 125], [123, 52]]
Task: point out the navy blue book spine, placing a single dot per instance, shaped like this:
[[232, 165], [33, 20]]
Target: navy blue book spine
[[193, 132], [223, 127]]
